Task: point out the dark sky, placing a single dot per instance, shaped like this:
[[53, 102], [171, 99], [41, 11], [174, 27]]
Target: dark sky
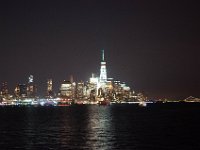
[[154, 46]]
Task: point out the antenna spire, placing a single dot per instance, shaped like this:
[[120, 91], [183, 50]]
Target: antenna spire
[[102, 54]]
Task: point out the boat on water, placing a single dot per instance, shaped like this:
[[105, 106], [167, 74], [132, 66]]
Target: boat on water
[[64, 102], [142, 104]]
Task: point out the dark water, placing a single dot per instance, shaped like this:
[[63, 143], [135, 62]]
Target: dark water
[[157, 126]]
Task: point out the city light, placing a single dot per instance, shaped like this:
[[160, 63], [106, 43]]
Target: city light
[[98, 90]]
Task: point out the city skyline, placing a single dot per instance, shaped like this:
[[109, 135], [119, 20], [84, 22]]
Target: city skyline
[[152, 46], [98, 82]]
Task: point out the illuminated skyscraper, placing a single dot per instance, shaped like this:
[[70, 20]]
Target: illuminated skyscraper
[[80, 88], [103, 72], [49, 85], [31, 88], [4, 89], [50, 93], [66, 89], [21, 91], [30, 79]]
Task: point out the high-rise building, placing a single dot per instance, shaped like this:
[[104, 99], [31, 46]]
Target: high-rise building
[[80, 90], [4, 89], [92, 86], [103, 77], [50, 88], [103, 72], [66, 89], [30, 79], [49, 85], [31, 88], [21, 91]]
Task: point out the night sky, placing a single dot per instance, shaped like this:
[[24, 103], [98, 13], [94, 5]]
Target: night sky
[[153, 46]]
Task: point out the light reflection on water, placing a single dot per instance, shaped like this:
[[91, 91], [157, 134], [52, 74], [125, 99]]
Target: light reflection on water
[[85, 127], [99, 126], [165, 126]]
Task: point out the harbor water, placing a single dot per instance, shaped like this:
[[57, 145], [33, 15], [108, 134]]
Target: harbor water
[[118, 126]]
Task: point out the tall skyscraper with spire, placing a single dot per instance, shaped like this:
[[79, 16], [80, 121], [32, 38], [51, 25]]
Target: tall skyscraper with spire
[[103, 72]]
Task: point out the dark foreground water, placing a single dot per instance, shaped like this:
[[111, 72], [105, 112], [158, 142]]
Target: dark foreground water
[[157, 126]]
